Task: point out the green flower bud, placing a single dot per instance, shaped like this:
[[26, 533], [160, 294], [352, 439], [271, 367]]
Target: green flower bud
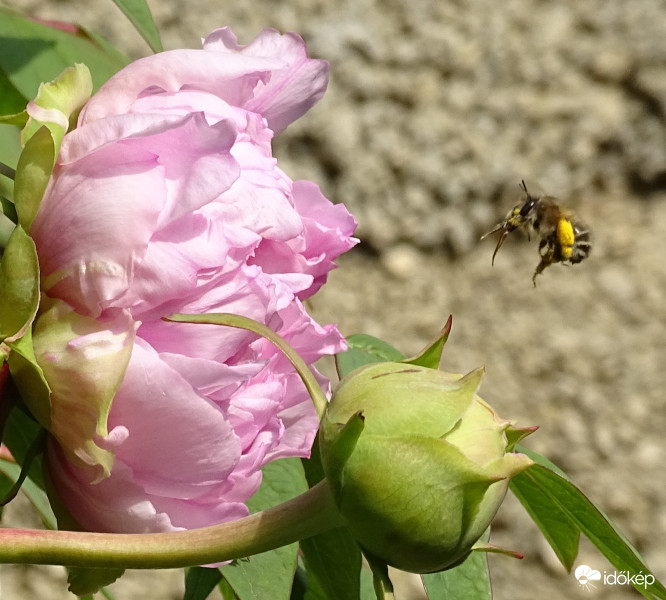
[[418, 464]]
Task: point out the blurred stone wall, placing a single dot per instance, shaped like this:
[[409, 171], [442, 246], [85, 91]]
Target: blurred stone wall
[[435, 111]]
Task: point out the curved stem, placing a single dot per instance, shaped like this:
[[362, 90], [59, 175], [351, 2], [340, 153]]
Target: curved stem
[[240, 322], [7, 226], [7, 171], [306, 515]]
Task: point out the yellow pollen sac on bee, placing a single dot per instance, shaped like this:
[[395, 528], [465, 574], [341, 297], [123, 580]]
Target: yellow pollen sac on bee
[[566, 237]]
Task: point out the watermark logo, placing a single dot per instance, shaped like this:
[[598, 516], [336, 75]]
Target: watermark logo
[[587, 578]]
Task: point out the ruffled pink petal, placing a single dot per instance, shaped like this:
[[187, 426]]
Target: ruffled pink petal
[[83, 216], [86, 211], [292, 89], [231, 77]]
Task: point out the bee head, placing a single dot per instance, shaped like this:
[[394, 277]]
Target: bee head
[[517, 217]]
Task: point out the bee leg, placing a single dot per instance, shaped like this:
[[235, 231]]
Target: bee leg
[[547, 252], [503, 235]]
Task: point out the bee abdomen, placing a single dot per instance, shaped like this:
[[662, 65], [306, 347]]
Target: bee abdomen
[[582, 245]]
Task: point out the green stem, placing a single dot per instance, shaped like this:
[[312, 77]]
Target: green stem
[[240, 322], [7, 171], [309, 514], [7, 226]]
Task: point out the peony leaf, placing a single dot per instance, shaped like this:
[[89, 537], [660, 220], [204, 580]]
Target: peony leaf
[[84, 581], [138, 12], [333, 558], [269, 576], [11, 100], [333, 563], [200, 582], [364, 349], [33, 492], [10, 150], [380, 577], [562, 512], [35, 450], [469, 580], [31, 52]]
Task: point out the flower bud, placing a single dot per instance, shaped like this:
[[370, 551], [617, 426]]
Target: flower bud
[[418, 464]]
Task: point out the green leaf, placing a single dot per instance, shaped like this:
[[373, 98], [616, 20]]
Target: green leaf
[[33, 492], [200, 582], [363, 350], [138, 12], [333, 563], [36, 449], [11, 100], [556, 504], [5, 485], [10, 150], [380, 577], [559, 530], [269, 576], [31, 53], [19, 286], [86, 581], [470, 580], [333, 558]]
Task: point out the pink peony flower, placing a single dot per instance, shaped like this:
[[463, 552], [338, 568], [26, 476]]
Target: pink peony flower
[[166, 198]]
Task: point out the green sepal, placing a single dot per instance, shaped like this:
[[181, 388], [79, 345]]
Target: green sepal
[[83, 376], [338, 453], [516, 434], [52, 113], [29, 379], [32, 175], [58, 104], [431, 355], [19, 286]]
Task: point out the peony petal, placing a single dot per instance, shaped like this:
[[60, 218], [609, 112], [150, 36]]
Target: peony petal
[[116, 504], [201, 448], [292, 89], [232, 78]]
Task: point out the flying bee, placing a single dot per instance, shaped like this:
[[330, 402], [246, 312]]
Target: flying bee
[[562, 237]]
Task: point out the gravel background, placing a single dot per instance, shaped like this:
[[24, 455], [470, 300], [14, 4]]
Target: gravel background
[[435, 111]]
